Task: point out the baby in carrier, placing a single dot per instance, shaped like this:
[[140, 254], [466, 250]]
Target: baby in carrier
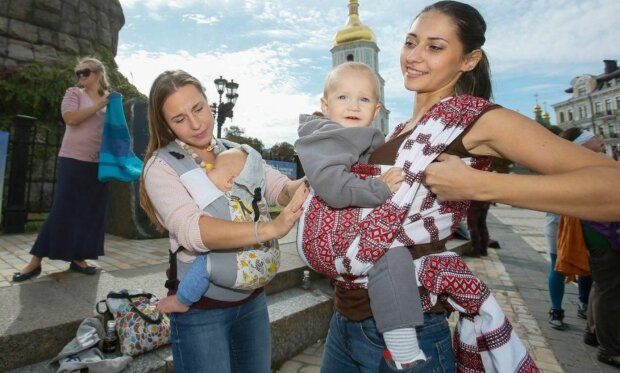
[[253, 268], [328, 148]]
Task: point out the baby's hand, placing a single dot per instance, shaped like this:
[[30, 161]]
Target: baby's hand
[[171, 304], [392, 178]]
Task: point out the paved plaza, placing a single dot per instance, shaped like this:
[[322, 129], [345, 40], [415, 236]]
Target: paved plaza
[[516, 274]]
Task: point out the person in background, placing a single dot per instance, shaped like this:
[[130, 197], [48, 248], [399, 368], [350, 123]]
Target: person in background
[[227, 330], [477, 226], [75, 228], [443, 62], [603, 304]]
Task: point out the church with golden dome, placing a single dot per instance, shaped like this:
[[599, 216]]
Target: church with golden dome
[[356, 42]]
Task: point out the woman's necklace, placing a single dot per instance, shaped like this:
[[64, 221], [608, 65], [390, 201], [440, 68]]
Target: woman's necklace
[[198, 159]]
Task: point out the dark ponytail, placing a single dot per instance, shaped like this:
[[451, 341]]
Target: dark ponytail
[[571, 133], [471, 28]]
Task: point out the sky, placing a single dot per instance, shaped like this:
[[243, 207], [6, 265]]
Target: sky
[[279, 51]]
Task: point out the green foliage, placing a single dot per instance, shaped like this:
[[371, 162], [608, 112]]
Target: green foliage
[[118, 81], [282, 151], [37, 89], [34, 89], [237, 134]]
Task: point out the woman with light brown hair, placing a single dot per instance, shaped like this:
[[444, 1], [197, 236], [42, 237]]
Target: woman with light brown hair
[[227, 330]]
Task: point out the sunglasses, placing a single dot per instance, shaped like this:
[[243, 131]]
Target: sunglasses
[[84, 72]]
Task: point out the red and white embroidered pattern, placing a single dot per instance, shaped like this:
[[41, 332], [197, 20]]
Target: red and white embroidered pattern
[[345, 243], [484, 340]]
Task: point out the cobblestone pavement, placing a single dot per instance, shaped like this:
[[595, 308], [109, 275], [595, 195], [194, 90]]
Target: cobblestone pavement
[[120, 253], [516, 274], [520, 288]]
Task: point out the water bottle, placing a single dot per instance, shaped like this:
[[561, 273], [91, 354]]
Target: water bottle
[[109, 340], [305, 281]]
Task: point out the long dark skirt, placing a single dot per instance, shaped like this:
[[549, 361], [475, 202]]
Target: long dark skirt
[[75, 228]]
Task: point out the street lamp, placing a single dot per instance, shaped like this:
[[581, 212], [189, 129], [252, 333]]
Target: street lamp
[[224, 110]]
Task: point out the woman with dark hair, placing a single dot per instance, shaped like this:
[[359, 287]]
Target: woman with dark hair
[[443, 62]]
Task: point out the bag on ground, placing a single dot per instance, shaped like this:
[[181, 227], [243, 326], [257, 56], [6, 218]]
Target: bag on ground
[[140, 327]]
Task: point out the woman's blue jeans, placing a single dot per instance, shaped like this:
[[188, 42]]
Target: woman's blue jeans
[[358, 347], [233, 339]]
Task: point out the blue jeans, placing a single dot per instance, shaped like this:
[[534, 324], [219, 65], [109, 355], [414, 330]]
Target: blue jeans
[[233, 339], [358, 346]]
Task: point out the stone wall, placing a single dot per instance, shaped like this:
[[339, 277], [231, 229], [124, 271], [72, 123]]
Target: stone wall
[[47, 30]]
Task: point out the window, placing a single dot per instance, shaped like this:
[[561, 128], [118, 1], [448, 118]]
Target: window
[[598, 108], [570, 114], [618, 102], [612, 130], [583, 112], [608, 106], [349, 57], [581, 91], [600, 131], [561, 117]]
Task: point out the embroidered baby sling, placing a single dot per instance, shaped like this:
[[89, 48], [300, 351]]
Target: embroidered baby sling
[[235, 273], [345, 243]]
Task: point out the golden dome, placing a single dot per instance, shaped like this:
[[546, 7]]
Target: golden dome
[[537, 109], [354, 30], [546, 116]]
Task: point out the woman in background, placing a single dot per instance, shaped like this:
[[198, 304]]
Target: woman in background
[[75, 228]]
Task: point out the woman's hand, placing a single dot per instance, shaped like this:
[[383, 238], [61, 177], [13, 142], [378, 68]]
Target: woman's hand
[[393, 177], [289, 215], [450, 178], [102, 101]]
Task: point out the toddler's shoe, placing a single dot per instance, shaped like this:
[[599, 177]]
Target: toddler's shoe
[[389, 365]]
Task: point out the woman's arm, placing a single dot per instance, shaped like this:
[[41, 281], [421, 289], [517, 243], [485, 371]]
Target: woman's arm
[[191, 228], [223, 234], [77, 116], [573, 180]]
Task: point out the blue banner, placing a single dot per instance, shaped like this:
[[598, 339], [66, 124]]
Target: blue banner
[[287, 168], [4, 148]]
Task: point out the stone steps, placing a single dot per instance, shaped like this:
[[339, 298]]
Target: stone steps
[[43, 316], [48, 313]]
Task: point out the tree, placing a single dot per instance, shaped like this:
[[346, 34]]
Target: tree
[[237, 134], [282, 151], [36, 89]]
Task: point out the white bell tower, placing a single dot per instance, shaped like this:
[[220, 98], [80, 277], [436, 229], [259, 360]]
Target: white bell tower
[[356, 42]]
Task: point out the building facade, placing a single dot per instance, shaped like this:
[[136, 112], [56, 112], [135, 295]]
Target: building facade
[[594, 105], [356, 42]]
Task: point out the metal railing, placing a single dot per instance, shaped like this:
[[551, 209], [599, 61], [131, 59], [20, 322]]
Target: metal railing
[[31, 171]]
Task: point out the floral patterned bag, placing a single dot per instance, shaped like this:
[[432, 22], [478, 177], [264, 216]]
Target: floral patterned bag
[[140, 327]]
